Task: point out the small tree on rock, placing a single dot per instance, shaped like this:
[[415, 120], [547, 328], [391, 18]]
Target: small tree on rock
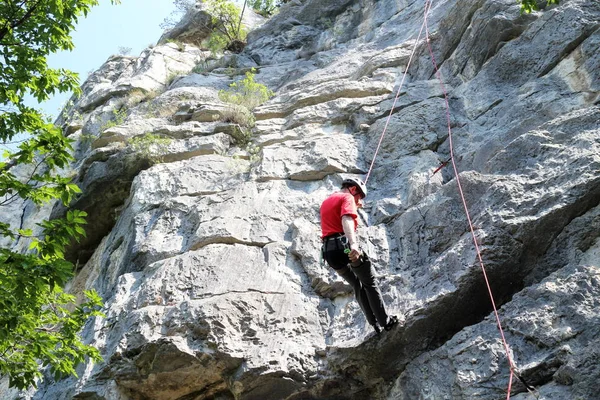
[[246, 93], [242, 97], [266, 8], [229, 33]]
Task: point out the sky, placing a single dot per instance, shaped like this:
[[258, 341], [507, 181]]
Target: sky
[[132, 24]]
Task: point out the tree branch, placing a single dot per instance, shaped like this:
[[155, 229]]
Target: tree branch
[[25, 17], [11, 44], [6, 201], [240, 21], [8, 165]]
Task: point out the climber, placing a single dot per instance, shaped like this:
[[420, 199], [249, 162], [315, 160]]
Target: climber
[[339, 220]]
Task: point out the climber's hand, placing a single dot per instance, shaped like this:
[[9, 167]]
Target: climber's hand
[[354, 255]]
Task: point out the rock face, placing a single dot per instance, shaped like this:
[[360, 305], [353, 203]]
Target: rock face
[[209, 263]]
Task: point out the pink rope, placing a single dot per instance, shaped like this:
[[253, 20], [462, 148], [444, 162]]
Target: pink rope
[[462, 196]]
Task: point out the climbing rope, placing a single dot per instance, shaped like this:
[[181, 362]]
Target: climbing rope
[[462, 196], [428, 4], [387, 121]]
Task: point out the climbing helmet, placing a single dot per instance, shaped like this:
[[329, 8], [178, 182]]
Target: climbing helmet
[[356, 182]]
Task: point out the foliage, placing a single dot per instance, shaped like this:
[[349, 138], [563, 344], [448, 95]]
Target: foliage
[[172, 76], [69, 113], [242, 97], [242, 135], [326, 22], [247, 92], [527, 6], [151, 147], [118, 118], [217, 43], [152, 110], [238, 115], [45, 152], [87, 138], [252, 154], [39, 323], [137, 96], [230, 71], [229, 33], [329, 24], [266, 8], [201, 67]]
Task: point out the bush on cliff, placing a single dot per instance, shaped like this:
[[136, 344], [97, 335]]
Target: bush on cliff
[[152, 147], [243, 96], [229, 33], [528, 6], [247, 92]]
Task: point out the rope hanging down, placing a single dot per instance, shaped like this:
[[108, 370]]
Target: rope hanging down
[[428, 4], [387, 121], [462, 196]]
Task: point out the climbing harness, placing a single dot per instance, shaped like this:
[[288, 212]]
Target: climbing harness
[[344, 241]]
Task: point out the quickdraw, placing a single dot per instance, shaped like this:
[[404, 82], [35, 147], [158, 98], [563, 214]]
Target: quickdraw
[[442, 165]]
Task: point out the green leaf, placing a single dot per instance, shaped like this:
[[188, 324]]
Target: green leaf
[[39, 324], [74, 188]]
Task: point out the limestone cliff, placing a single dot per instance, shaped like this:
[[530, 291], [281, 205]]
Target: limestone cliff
[[208, 262]]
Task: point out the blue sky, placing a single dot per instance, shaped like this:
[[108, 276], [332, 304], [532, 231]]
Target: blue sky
[[133, 23]]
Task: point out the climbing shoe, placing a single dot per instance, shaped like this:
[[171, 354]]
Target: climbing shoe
[[391, 322], [377, 328]]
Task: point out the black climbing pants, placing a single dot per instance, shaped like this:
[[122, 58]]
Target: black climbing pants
[[360, 275]]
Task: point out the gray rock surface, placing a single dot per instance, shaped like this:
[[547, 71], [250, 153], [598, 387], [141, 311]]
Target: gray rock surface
[[196, 25], [209, 262], [193, 28]]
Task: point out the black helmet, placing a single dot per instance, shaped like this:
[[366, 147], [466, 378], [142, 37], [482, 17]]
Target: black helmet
[[356, 182]]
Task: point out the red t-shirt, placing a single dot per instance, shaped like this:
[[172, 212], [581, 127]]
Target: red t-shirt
[[332, 210]]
